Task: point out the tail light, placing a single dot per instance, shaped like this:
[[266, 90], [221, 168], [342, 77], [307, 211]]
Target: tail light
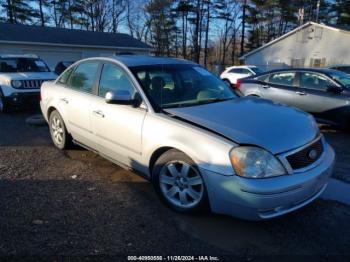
[[238, 84]]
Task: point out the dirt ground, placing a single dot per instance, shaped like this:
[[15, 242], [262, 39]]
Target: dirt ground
[[76, 203]]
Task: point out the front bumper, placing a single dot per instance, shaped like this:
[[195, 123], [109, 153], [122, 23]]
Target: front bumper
[[23, 99], [257, 199]]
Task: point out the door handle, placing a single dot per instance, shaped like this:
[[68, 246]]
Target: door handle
[[64, 100], [98, 113], [301, 93], [265, 86]]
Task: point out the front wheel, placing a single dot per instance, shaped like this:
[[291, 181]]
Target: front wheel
[[58, 131], [4, 107], [179, 183]]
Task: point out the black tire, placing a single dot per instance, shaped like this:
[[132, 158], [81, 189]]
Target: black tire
[[66, 139], [4, 106], [176, 157]]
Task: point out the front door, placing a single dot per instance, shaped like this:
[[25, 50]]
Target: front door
[[316, 99], [117, 128]]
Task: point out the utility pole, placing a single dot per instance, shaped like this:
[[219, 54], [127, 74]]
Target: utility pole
[[317, 10], [243, 26]]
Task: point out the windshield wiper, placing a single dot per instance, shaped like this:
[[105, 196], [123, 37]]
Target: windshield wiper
[[201, 102]]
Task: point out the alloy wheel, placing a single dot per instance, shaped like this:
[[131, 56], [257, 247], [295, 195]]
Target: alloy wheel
[[57, 130], [181, 184]]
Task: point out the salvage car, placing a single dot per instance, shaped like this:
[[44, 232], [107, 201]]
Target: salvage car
[[20, 79], [185, 130], [325, 93]]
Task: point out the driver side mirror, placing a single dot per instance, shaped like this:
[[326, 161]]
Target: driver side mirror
[[122, 97], [334, 89]]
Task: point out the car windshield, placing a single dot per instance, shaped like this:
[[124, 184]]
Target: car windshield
[[169, 86], [257, 70], [340, 77], [21, 64]]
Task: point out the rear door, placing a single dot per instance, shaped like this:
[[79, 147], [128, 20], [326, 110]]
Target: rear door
[[77, 101], [280, 87]]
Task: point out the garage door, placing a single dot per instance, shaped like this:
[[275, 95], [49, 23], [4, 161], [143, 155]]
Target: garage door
[[54, 56]]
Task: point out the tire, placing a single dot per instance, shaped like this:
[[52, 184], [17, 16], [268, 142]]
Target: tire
[[4, 107], [59, 135], [179, 183]]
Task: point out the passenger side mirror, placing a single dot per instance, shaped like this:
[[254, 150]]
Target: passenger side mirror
[[122, 97], [334, 89]]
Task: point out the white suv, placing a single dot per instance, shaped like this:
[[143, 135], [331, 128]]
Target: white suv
[[20, 79], [233, 73]]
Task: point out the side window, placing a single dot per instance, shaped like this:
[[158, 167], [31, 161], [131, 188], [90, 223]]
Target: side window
[[263, 78], [84, 76], [245, 71], [345, 69], [63, 79], [236, 71], [285, 78], [113, 79], [314, 81]]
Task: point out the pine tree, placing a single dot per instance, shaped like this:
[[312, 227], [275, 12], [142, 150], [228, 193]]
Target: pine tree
[[19, 11]]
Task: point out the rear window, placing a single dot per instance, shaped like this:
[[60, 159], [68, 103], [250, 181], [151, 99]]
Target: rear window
[[13, 65]]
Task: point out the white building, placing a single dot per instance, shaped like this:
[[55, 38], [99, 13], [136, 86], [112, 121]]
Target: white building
[[310, 45], [59, 44]]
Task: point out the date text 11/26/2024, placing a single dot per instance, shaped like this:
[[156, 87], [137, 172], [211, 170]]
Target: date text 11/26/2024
[[173, 258]]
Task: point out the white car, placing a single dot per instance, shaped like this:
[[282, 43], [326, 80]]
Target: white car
[[20, 79], [232, 73]]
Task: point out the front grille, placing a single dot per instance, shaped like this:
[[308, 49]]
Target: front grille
[[306, 156], [32, 84]]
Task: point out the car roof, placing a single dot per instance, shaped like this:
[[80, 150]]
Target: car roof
[[241, 66], [139, 60], [340, 65], [316, 70], [18, 56]]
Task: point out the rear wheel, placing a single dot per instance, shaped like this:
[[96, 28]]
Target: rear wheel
[[58, 131], [179, 183]]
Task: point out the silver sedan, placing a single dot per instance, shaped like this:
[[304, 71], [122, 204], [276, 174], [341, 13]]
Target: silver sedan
[[184, 129]]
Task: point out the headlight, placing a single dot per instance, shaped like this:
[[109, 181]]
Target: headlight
[[254, 162], [16, 83]]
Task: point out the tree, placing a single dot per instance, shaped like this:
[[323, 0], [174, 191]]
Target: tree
[[19, 11], [161, 25]]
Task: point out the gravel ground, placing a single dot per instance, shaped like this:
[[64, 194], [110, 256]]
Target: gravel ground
[[340, 141], [76, 203]]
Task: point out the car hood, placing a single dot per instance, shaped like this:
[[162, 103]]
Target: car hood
[[254, 121], [28, 76]]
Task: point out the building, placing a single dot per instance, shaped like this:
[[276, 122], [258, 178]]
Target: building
[[310, 45], [59, 44]]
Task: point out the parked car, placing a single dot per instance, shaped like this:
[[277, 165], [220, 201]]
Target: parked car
[[325, 93], [20, 79], [184, 129], [343, 68], [61, 66], [233, 73]]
